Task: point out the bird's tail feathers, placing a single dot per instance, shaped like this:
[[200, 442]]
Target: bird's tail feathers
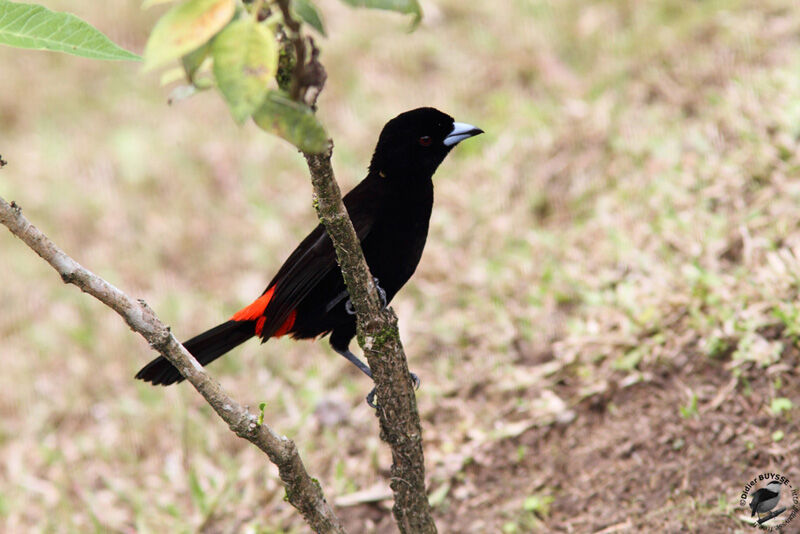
[[206, 347]]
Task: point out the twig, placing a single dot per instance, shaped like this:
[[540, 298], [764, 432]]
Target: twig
[[771, 515], [303, 492]]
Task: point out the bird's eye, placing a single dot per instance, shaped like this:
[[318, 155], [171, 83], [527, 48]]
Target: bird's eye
[[425, 140]]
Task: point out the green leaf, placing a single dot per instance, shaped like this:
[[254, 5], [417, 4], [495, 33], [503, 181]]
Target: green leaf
[[172, 75], [36, 27], [261, 407], [184, 28], [307, 11], [194, 59], [408, 7], [245, 60], [293, 121]]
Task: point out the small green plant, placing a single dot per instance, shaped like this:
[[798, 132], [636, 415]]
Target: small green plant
[[789, 315], [690, 410], [538, 504], [780, 405], [722, 503], [534, 508], [717, 346]]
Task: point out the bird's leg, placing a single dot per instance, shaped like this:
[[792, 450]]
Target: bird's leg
[[352, 358], [364, 368], [348, 306]]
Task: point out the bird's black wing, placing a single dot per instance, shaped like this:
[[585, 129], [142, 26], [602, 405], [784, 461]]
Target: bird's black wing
[[756, 500], [315, 257]]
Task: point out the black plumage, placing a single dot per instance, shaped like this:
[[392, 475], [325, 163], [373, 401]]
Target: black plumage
[[390, 210]]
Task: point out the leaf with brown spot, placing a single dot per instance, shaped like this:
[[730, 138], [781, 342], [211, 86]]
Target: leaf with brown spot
[[245, 60], [184, 28]]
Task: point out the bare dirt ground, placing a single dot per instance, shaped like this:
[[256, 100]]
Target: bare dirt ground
[[605, 320], [640, 466], [626, 459]]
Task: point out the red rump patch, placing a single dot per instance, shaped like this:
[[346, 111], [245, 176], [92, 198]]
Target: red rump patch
[[255, 312], [260, 325], [285, 327], [256, 309]]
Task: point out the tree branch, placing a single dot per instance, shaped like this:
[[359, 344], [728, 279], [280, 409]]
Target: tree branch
[[378, 335], [771, 515], [303, 492]]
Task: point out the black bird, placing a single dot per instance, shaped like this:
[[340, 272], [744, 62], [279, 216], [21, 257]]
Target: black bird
[[766, 498], [390, 210]]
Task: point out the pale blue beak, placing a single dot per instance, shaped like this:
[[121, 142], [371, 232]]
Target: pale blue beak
[[461, 131]]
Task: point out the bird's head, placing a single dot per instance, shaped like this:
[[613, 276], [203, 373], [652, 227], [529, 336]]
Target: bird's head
[[774, 486], [415, 142]]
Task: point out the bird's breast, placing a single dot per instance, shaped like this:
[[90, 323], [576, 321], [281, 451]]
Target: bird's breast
[[394, 247]]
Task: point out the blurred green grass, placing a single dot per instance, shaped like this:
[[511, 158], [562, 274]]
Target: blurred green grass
[[634, 195]]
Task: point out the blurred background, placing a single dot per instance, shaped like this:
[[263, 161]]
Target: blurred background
[[605, 319]]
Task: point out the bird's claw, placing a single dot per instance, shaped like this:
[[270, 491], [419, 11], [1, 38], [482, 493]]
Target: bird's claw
[[416, 380], [381, 292], [371, 395], [371, 399], [348, 306]]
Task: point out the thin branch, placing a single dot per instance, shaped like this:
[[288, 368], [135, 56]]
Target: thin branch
[[303, 492], [771, 515], [377, 328]]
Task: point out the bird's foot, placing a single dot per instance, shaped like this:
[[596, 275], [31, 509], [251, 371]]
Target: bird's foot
[[416, 380], [348, 306], [381, 292], [371, 399], [371, 395]]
